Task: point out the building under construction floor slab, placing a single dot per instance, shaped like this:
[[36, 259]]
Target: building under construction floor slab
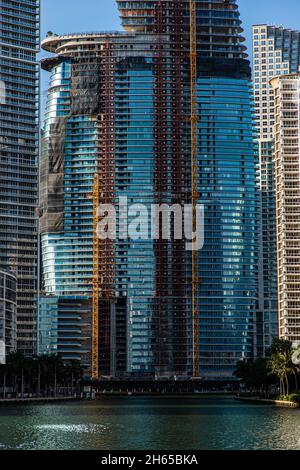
[[160, 114]]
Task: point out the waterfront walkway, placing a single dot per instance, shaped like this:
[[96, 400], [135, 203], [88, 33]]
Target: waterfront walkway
[[265, 401], [7, 401]]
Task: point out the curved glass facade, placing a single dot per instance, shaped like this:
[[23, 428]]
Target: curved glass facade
[[226, 188], [73, 143], [119, 103], [134, 178], [218, 22], [67, 257], [69, 153]]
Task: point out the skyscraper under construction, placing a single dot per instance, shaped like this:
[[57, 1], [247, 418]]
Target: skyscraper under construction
[[161, 114]]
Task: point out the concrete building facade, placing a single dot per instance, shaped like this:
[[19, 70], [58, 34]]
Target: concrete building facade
[[8, 314], [287, 173], [19, 151], [276, 51], [117, 106]]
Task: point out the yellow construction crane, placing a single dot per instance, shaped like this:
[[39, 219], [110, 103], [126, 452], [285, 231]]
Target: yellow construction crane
[[195, 195], [194, 192], [96, 280]]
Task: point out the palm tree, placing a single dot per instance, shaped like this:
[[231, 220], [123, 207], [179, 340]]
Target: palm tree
[[281, 366], [275, 366], [3, 372], [56, 365], [40, 362], [40, 373], [15, 364], [22, 366], [37, 364], [76, 371], [279, 346], [244, 371], [29, 372]]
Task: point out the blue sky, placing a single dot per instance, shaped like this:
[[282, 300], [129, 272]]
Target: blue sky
[[65, 16], [87, 15]]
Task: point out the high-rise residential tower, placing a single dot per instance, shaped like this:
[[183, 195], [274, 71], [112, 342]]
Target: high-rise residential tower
[[287, 173], [19, 136], [8, 314], [226, 178], [276, 51], [118, 107], [68, 156]]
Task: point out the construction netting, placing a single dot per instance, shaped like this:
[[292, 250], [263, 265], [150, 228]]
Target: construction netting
[[52, 178]]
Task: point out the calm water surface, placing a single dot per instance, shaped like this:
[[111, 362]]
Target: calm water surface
[[193, 423]]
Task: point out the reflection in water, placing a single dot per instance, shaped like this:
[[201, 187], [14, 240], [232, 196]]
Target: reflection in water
[[71, 427], [149, 423]]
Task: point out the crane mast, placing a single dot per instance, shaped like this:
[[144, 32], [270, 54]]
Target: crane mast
[[97, 251]]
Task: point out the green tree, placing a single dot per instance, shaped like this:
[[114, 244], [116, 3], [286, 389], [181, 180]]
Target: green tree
[[281, 366], [3, 373], [41, 363], [279, 346], [276, 367], [244, 372], [55, 366], [253, 374], [261, 378], [76, 371], [15, 364]]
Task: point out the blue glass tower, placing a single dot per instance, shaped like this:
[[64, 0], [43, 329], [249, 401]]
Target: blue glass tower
[[134, 177], [227, 163], [117, 106], [137, 331], [69, 153], [227, 190]]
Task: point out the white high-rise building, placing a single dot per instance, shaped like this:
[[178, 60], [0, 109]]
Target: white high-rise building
[[276, 52], [287, 174]]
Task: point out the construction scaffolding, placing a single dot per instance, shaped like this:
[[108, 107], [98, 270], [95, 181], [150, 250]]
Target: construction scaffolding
[[179, 66], [176, 166], [103, 193], [194, 179], [176, 349], [161, 314], [52, 177]]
